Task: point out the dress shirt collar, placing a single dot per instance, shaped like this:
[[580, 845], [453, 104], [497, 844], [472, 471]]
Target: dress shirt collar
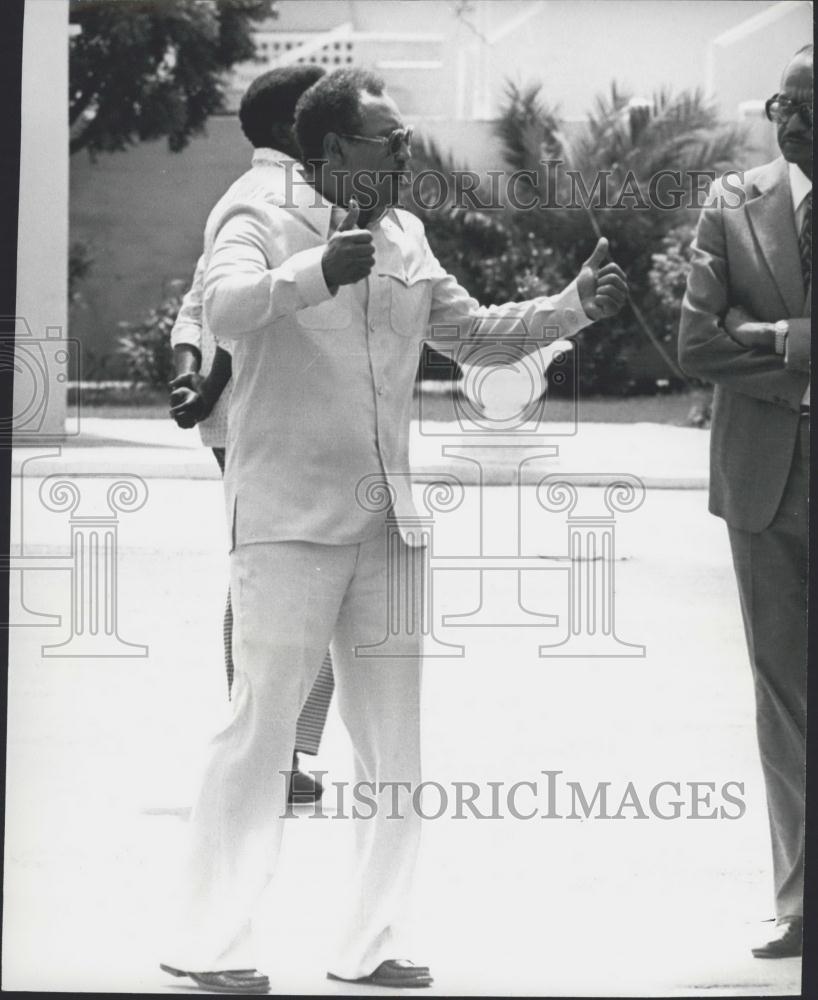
[[266, 154], [800, 185], [320, 216], [309, 203]]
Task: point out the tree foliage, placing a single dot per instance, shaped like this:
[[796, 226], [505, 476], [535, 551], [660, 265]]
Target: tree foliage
[[628, 143], [519, 252], [143, 69]]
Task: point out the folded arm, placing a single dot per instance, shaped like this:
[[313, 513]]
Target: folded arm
[[748, 331], [707, 350]]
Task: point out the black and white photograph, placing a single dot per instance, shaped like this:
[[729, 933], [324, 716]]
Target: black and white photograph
[[406, 444]]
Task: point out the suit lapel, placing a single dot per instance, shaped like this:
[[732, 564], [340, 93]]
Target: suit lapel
[[771, 218]]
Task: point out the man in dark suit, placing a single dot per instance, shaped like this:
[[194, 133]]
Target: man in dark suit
[[746, 327]]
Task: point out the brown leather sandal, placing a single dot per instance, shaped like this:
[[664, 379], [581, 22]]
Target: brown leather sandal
[[399, 973], [225, 981]]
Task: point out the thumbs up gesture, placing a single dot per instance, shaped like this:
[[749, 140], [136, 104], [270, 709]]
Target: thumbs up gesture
[[603, 288], [351, 218], [350, 253]]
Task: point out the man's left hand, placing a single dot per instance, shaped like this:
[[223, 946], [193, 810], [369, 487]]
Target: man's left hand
[[603, 288], [748, 331]]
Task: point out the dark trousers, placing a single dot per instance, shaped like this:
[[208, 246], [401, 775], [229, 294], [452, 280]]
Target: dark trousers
[[771, 569], [313, 717]]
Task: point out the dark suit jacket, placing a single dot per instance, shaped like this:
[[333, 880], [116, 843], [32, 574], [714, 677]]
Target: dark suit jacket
[[748, 256]]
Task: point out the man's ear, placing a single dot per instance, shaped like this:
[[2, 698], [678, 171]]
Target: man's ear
[[333, 150]]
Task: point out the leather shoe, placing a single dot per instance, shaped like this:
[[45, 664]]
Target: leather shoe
[[226, 981], [399, 973], [303, 787], [786, 941]]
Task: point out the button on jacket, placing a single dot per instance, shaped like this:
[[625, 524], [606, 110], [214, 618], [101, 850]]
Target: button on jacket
[[323, 382]]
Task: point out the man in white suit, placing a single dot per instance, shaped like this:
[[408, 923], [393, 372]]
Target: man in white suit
[[327, 308]]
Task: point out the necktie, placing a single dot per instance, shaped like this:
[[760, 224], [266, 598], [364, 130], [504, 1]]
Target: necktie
[[805, 242]]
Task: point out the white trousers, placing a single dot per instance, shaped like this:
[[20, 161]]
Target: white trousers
[[291, 600]]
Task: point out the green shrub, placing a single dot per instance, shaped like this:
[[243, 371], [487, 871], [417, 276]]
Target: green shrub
[[80, 260], [667, 279], [145, 345]]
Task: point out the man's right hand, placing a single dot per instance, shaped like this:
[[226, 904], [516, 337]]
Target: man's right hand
[[188, 399], [350, 253]]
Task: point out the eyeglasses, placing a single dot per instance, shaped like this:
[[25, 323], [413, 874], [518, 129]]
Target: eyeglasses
[[393, 141], [780, 109]]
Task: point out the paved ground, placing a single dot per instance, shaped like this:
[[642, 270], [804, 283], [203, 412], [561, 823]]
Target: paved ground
[[102, 752], [662, 455]]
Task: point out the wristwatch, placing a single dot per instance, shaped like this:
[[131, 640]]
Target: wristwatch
[[781, 328]]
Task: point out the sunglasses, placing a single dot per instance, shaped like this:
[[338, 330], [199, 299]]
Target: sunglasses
[[393, 141], [780, 109]]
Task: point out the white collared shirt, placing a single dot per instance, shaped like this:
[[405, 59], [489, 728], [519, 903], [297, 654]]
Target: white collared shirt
[[800, 187]]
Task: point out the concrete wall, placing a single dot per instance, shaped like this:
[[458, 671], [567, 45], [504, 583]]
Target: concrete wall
[[142, 214]]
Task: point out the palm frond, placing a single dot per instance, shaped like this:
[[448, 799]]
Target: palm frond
[[527, 127]]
